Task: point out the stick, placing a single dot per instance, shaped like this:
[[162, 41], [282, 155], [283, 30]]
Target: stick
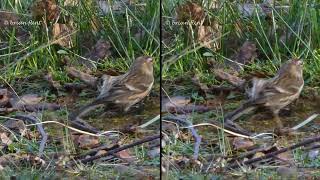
[[40, 128], [95, 150], [194, 133], [86, 78], [111, 152], [272, 154]]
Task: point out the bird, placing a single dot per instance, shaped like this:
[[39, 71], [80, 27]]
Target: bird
[[273, 94], [124, 91]]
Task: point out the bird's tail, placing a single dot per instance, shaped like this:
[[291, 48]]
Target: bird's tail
[[84, 110], [244, 109]]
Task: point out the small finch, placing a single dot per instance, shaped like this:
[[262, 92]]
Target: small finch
[[124, 91], [273, 94]]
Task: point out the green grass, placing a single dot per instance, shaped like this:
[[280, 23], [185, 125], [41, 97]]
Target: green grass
[[301, 20]]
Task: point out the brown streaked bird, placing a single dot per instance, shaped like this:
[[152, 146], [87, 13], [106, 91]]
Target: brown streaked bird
[[273, 94], [124, 91]]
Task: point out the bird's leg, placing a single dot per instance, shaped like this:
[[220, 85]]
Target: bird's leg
[[280, 129], [245, 108]]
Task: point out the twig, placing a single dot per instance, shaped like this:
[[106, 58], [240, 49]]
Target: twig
[[95, 150], [150, 122], [225, 130], [272, 154], [194, 133], [86, 78], [309, 119], [232, 79], [40, 128], [111, 152], [188, 109]]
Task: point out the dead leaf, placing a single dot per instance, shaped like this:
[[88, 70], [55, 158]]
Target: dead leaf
[[5, 140], [205, 34], [22, 101], [5, 96], [203, 87], [173, 102], [232, 79], [16, 126], [240, 143], [246, 55], [45, 9], [8, 19], [101, 152], [125, 155], [62, 34], [190, 12], [54, 84], [87, 142], [85, 77], [101, 50]]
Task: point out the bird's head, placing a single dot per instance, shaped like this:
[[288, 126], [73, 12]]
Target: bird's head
[[143, 64], [293, 67]]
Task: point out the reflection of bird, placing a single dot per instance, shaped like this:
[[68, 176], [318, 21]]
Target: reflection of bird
[[123, 91], [273, 94]]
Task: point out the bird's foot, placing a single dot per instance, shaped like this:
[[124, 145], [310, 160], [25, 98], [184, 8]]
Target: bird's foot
[[283, 131]]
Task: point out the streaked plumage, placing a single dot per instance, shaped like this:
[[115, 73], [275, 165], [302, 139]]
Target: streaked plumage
[[124, 91], [275, 93]]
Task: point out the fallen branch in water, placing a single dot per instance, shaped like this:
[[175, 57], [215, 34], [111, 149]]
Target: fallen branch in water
[[273, 154], [194, 133]]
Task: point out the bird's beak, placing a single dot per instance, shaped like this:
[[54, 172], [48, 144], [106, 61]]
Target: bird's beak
[[149, 59], [300, 62]]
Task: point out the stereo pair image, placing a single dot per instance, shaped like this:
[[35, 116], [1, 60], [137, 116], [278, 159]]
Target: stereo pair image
[[177, 89]]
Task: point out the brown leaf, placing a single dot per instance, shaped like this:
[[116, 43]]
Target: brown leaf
[[232, 79], [7, 18], [87, 142], [16, 125], [5, 139], [86, 78], [54, 84], [62, 34], [240, 143], [5, 96], [173, 102], [205, 34], [45, 9], [190, 12], [101, 50], [203, 87], [246, 54], [22, 101], [125, 155]]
